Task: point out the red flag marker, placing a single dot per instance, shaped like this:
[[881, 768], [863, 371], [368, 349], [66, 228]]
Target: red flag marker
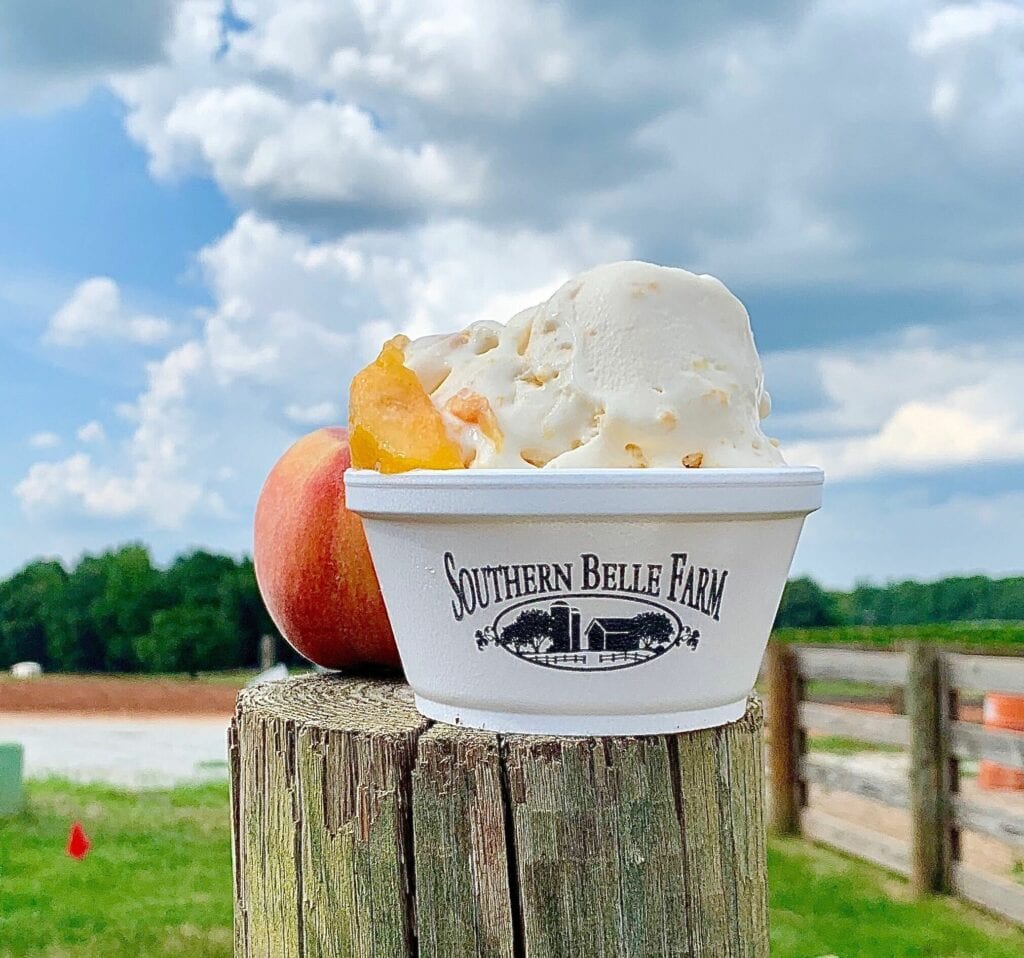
[[78, 844]]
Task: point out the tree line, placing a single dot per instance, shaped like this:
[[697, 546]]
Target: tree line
[[805, 604], [119, 612]]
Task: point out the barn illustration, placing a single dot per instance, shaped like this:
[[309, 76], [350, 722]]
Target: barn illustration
[[612, 635], [556, 636]]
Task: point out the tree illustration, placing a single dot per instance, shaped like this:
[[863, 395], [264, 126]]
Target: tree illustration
[[531, 629], [651, 630], [485, 636]]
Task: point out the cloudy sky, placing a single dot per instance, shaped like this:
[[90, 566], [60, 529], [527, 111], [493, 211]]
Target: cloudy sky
[[213, 213]]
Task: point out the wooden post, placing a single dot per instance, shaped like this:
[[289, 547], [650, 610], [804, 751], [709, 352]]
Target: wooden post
[[949, 712], [785, 738], [362, 829], [268, 652], [928, 799]]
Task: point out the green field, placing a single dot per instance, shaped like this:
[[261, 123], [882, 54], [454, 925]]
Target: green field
[[158, 883], [971, 636]]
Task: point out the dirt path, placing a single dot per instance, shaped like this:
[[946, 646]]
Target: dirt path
[[130, 752], [118, 695]]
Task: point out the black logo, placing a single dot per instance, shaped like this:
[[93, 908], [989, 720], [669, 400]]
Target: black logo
[[588, 632]]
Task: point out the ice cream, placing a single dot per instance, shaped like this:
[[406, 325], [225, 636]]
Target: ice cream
[[628, 364], [515, 553]]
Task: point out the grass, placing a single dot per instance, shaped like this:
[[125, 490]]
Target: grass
[[840, 745], [844, 690], [993, 637], [158, 883], [825, 904], [233, 677]]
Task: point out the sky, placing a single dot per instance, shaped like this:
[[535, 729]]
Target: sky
[[213, 214]]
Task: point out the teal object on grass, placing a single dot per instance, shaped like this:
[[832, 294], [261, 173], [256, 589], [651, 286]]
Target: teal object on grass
[[12, 792]]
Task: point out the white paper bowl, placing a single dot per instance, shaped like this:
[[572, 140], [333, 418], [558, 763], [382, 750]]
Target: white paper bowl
[[702, 555]]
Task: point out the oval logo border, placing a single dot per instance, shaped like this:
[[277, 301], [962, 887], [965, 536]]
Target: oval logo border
[[557, 596]]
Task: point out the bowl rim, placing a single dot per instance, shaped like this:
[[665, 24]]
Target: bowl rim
[[510, 493], [730, 475]]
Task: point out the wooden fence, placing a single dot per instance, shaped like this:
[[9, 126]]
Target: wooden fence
[[936, 741]]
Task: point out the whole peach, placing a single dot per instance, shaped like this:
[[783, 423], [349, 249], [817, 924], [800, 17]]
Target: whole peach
[[312, 562]]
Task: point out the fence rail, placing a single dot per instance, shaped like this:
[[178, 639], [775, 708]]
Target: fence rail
[[839, 777], [937, 742], [853, 723]]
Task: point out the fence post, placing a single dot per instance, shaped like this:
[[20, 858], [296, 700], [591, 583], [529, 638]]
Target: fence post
[[268, 652], [785, 738], [928, 745], [362, 830], [949, 712]]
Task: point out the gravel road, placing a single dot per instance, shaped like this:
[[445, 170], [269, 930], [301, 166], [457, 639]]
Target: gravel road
[[130, 752]]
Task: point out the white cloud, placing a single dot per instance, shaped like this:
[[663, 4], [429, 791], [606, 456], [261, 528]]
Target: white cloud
[[777, 148], [972, 54], [103, 493], [44, 440], [149, 480], [271, 126], [916, 406], [52, 52], [92, 431], [959, 22], [94, 311], [318, 413], [292, 321], [259, 143], [419, 165]]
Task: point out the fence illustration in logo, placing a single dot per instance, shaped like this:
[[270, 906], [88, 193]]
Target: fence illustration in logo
[[588, 632]]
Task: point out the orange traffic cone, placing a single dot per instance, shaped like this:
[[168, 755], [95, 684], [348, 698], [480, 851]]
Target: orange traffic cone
[[1005, 712]]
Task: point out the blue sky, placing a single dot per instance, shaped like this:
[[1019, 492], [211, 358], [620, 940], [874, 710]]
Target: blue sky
[[212, 217]]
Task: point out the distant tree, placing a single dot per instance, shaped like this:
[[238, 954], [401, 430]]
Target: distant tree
[[188, 638], [531, 628], [1007, 601], [652, 629], [805, 604], [26, 609], [195, 578], [74, 639], [242, 606], [132, 593]]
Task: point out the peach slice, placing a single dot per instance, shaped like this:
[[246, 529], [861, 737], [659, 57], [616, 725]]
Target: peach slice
[[474, 410], [394, 425]]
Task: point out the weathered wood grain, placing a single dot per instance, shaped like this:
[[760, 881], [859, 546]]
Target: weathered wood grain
[[855, 723], [785, 738], [999, 895], [837, 776], [722, 807], [597, 846], [986, 673], [461, 855], [322, 817], [361, 830], [928, 812], [856, 840], [988, 819], [975, 742], [854, 665]]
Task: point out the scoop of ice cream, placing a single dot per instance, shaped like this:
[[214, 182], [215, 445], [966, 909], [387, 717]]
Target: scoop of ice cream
[[629, 364]]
